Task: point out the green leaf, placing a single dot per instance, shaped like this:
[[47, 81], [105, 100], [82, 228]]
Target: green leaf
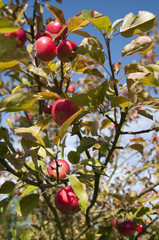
[[67, 123], [28, 190], [102, 24], [7, 65], [137, 147], [17, 102], [92, 48], [73, 157], [27, 235], [7, 26], [91, 162], [7, 187], [98, 94], [90, 71], [79, 191], [27, 203], [133, 24], [140, 44], [120, 101], [7, 45], [30, 134], [76, 23], [49, 95], [38, 71], [151, 80], [82, 33], [132, 68], [145, 114], [80, 99], [86, 143], [116, 24], [143, 211], [57, 12], [3, 149], [85, 14], [152, 68]]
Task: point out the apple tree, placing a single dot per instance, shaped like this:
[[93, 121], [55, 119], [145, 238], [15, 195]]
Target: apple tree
[[79, 131]]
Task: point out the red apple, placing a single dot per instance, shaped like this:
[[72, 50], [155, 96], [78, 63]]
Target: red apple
[[18, 34], [62, 110], [54, 27], [63, 169], [45, 49], [48, 109], [116, 222], [40, 34], [71, 89], [127, 227], [66, 201], [64, 51], [139, 228]]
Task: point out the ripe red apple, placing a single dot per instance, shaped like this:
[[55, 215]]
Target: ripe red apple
[[18, 34], [62, 110], [54, 27], [71, 89], [45, 49], [64, 51], [48, 109], [116, 222], [139, 228], [66, 201], [127, 227], [40, 34], [63, 169]]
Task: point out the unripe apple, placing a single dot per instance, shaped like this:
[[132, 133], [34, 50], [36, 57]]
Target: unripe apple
[[62, 110], [66, 201], [63, 169], [127, 227], [45, 49], [54, 27], [64, 51], [18, 34], [48, 109], [71, 89], [40, 34]]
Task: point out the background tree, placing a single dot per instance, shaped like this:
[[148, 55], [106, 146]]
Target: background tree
[[113, 173]]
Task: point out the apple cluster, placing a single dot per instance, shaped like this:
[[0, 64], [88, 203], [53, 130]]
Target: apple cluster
[[66, 200], [46, 49], [127, 228]]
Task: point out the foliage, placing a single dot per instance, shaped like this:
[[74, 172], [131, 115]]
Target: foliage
[[114, 157]]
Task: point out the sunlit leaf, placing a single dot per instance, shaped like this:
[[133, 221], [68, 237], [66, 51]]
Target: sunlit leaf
[[57, 12], [120, 101], [151, 80], [140, 44], [76, 23], [92, 48], [7, 26], [79, 191], [133, 24], [29, 189], [102, 24], [17, 102], [67, 123], [30, 134], [7, 45]]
